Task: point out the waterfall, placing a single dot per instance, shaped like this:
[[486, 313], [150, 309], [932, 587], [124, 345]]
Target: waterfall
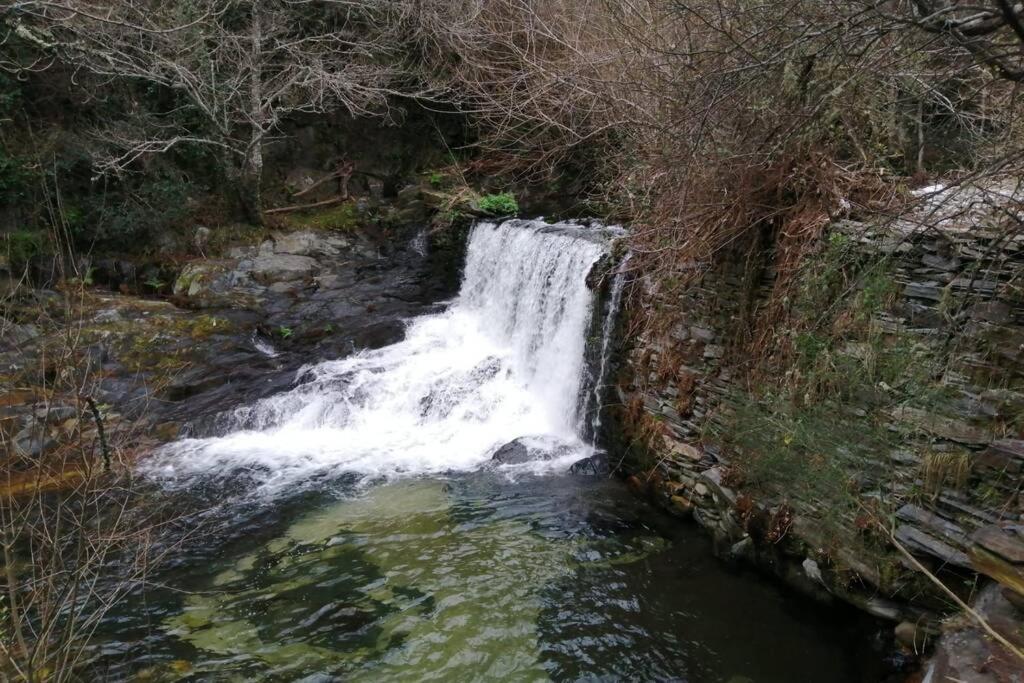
[[504, 361], [607, 332]]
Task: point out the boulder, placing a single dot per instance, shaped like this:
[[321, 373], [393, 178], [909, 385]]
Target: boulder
[[269, 268], [594, 466], [513, 453], [310, 243]]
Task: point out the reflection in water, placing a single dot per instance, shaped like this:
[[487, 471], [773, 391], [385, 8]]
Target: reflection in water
[[478, 577]]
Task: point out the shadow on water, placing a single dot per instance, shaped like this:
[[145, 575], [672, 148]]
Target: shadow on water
[[474, 576]]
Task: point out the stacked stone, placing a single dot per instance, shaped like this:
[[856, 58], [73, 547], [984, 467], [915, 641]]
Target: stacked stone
[[958, 259]]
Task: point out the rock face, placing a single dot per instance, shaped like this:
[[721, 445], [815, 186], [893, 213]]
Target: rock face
[[951, 481], [263, 311]]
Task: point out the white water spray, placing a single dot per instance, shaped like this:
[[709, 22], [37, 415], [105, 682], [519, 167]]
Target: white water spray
[[506, 360]]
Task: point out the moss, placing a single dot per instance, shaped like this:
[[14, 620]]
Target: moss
[[342, 218], [501, 204]]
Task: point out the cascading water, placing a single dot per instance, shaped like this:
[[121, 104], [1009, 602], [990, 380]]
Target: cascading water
[[504, 361], [607, 332], [473, 575]]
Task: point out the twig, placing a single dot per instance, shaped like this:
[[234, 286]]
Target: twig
[[963, 605], [104, 449], [301, 207]]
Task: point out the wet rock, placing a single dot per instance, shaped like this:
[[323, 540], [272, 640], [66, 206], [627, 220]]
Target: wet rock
[[520, 451], [594, 466]]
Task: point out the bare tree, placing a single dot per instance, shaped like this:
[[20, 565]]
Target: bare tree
[[240, 67]]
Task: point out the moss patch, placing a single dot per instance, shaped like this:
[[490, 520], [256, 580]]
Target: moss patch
[[342, 218]]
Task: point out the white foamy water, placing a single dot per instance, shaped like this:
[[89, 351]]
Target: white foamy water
[[506, 360]]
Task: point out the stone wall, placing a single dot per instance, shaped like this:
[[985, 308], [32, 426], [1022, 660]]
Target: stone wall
[[950, 485]]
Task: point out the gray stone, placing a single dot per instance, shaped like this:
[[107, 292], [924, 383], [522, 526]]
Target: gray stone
[[32, 442], [933, 523], [940, 263], [812, 570], [923, 290], [943, 426], [1005, 455], [915, 539], [1008, 546], [201, 237], [281, 267], [997, 312], [15, 335], [309, 243], [714, 351], [110, 315], [702, 334]]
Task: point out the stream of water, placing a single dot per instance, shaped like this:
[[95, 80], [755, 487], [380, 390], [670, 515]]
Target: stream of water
[[357, 528]]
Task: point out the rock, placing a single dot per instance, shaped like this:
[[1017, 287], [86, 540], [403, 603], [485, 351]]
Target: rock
[[918, 290], [743, 549], [714, 351], [196, 277], [1008, 546], [408, 194], [940, 263], [309, 243], [1005, 455], [513, 453], [912, 636], [110, 315], [15, 335], [684, 449], [520, 451], [812, 570], [201, 237], [965, 652], [267, 269], [681, 505], [56, 414], [915, 539], [936, 525], [31, 442], [594, 466], [997, 312], [167, 431], [942, 426]]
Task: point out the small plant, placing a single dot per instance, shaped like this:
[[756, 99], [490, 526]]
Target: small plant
[[501, 204], [435, 179], [285, 332], [155, 283]]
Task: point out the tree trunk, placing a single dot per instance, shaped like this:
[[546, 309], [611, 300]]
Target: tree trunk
[[250, 181], [252, 175]]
